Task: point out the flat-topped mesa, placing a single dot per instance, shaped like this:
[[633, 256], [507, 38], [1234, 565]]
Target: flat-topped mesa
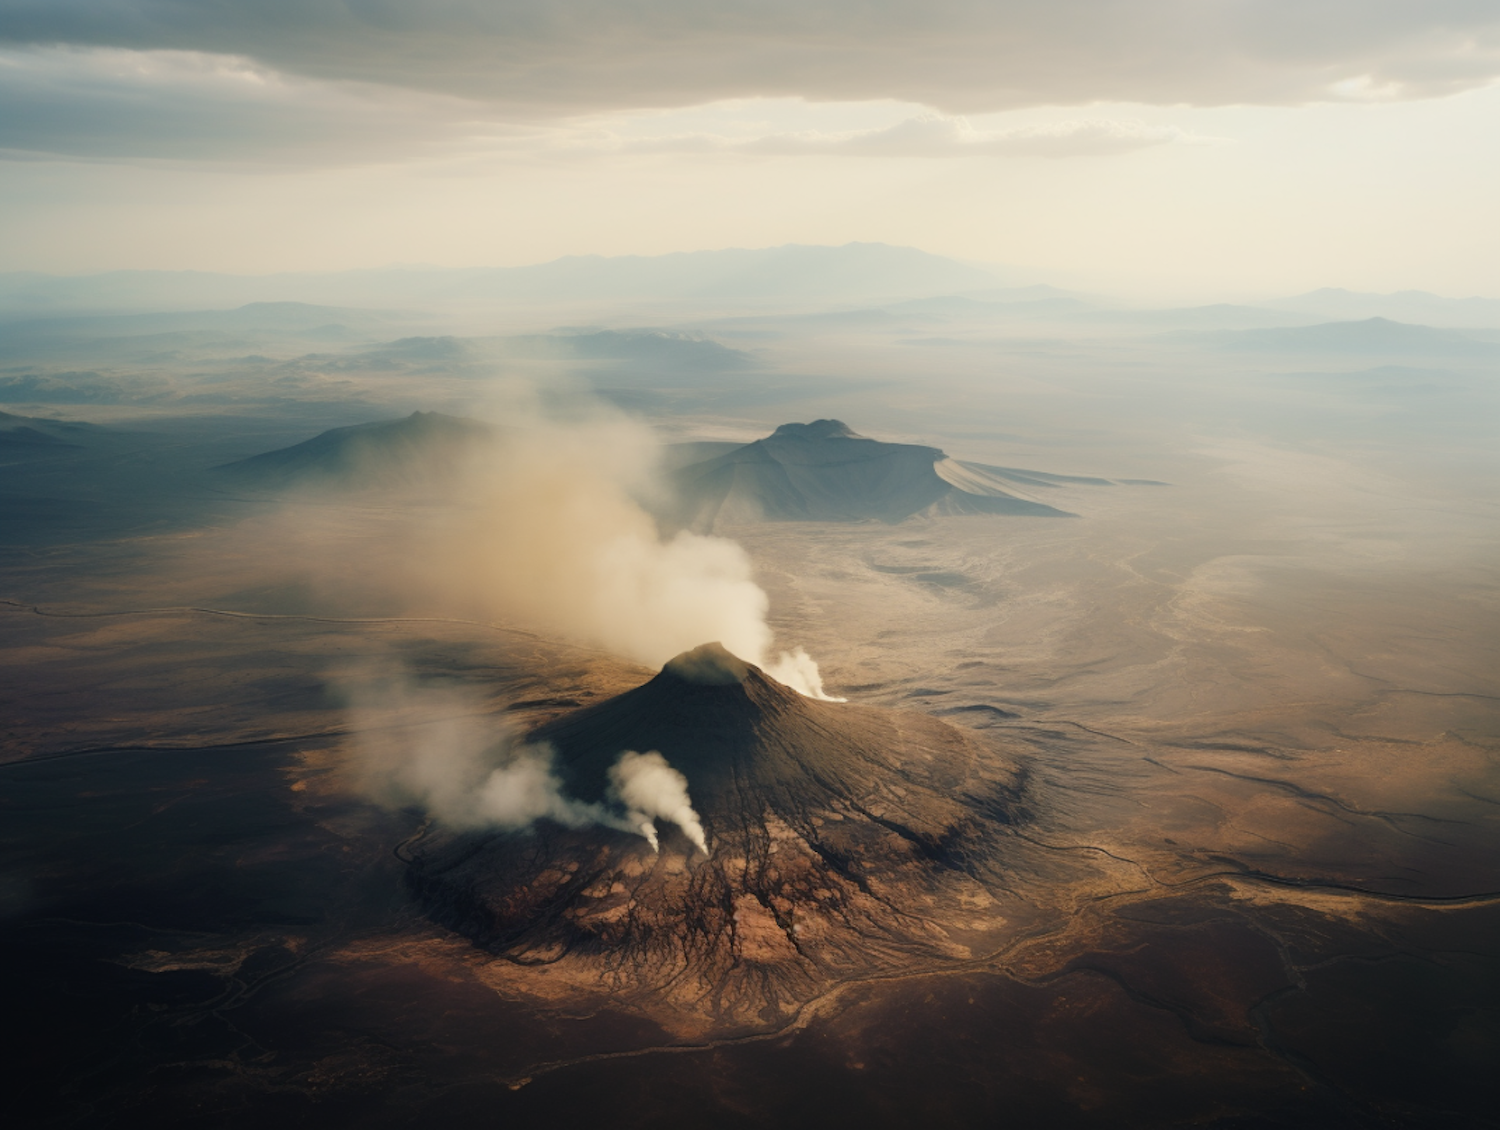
[[818, 429], [825, 471]]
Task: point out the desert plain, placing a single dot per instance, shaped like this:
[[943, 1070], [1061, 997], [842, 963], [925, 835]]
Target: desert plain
[[1243, 696]]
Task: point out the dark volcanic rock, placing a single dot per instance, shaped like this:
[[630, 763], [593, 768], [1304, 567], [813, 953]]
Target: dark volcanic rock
[[844, 840], [731, 729]]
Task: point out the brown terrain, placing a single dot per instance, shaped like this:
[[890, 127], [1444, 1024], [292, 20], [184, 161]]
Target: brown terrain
[[1182, 812]]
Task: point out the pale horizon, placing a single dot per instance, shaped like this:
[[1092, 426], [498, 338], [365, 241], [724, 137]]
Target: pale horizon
[[1161, 154], [1121, 291]]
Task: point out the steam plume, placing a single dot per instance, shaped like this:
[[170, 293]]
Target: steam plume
[[651, 789], [440, 751], [798, 670], [435, 749]]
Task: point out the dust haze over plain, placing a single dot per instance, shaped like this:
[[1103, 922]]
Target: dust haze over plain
[[644, 561], [1154, 146]]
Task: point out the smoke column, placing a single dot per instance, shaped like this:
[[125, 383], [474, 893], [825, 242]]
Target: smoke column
[[651, 789], [546, 527], [550, 527]]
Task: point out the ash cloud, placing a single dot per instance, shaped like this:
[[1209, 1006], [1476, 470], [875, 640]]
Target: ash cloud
[[546, 528]]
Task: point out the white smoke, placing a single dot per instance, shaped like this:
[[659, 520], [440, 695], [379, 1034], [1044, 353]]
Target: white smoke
[[651, 789], [798, 670], [441, 751]]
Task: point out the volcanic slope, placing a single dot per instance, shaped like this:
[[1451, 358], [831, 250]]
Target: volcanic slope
[[421, 449], [845, 841], [824, 471]]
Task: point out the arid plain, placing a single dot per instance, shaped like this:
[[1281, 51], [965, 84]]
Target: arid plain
[[1243, 699]]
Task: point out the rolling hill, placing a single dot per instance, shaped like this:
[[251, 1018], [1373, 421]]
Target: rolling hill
[[420, 450]]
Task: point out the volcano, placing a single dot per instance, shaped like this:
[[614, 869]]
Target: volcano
[[844, 840]]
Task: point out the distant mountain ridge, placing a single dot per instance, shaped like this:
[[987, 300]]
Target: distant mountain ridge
[[1370, 336], [793, 272], [660, 348], [29, 433], [281, 316], [241, 326], [1402, 306]]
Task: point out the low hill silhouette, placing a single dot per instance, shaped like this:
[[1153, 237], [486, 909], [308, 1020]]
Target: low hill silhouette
[[646, 347], [1371, 336], [421, 449], [32, 432]]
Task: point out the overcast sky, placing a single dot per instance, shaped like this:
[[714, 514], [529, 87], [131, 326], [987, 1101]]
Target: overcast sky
[[1184, 147]]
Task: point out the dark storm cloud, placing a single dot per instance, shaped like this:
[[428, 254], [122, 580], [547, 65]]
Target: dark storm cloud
[[959, 56], [113, 103]]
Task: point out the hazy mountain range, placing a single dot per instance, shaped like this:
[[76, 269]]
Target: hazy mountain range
[[1402, 306], [908, 281], [1376, 336], [853, 272]]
